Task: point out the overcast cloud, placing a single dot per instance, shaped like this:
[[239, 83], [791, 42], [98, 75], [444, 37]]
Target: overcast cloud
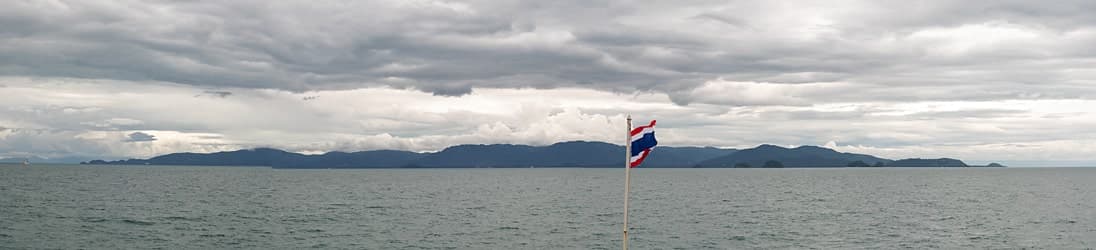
[[982, 81]]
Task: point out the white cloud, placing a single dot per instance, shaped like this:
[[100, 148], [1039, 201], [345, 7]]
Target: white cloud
[[108, 123], [721, 91], [957, 41], [382, 118]]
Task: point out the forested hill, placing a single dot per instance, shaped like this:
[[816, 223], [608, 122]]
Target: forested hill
[[564, 154]]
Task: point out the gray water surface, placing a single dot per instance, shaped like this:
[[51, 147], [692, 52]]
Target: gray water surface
[[226, 207]]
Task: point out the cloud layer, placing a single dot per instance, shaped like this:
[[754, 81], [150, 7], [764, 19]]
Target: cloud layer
[[1007, 49], [121, 119], [992, 80]]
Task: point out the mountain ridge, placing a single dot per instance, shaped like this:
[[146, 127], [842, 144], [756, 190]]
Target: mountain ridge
[[799, 157], [563, 154]]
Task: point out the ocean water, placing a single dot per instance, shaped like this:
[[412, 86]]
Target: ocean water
[[226, 207]]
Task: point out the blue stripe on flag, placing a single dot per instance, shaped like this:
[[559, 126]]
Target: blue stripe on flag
[[644, 143]]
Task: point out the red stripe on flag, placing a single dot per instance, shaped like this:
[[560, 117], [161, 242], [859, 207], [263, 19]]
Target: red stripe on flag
[[642, 155], [640, 129]]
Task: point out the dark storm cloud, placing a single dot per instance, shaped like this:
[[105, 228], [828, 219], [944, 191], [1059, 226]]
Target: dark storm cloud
[[449, 48], [140, 137]]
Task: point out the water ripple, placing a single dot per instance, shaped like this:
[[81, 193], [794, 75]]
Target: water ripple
[[261, 208]]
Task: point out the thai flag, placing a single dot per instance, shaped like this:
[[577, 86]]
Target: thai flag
[[643, 140]]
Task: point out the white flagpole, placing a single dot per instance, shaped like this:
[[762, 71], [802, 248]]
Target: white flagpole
[[627, 176]]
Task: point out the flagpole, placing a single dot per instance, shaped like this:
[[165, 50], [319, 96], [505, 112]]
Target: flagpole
[[627, 176]]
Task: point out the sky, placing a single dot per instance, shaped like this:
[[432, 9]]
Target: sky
[[987, 81]]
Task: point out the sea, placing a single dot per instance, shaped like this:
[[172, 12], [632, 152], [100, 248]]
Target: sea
[[173, 207]]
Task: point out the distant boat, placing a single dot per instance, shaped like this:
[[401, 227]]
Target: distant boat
[[26, 162]]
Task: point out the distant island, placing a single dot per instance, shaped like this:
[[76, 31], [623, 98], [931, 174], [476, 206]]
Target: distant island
[[564, 154]]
